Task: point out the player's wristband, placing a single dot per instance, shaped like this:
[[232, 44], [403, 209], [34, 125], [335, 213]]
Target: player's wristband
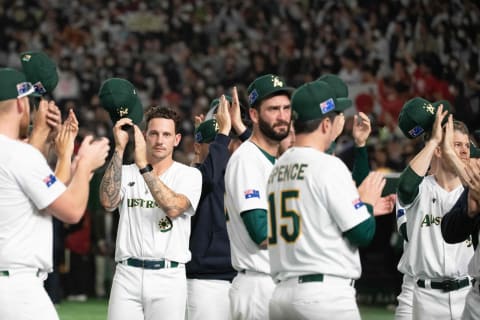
[[147, 168]]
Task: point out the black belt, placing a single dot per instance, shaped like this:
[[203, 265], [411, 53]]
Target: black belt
[[149, 264], [446, 285], [311, 278]]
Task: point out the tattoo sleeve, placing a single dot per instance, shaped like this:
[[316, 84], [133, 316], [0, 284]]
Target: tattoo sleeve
[[174, 204], [111, 182]]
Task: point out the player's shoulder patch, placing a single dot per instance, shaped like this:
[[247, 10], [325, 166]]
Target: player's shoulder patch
[[49, 180], [357, 203], [251, 193]]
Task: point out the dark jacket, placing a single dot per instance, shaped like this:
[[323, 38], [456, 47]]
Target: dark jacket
[[209, 242]]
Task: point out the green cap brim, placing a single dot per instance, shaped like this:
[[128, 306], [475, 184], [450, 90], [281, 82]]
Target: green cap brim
[[341, 104], [474, 151]]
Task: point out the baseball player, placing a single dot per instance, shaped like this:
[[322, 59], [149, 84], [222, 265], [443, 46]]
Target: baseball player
[[246, 200], [210, 272], [30, 194], [156, 197], [439, 270], [313, 233]]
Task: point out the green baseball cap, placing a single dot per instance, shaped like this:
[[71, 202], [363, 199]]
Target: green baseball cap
[[474, 151], [206, 131], [40, 70], [314, 100], [418, 115], [13, 84], [340, 88], [266, 86], [119, 97]]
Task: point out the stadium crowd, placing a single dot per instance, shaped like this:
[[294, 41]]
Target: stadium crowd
[[185, 53]]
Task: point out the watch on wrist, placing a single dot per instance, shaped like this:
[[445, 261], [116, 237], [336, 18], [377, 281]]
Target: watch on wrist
[[147, 168]]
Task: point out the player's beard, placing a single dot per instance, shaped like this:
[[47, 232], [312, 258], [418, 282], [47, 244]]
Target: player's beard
[[269, 132]]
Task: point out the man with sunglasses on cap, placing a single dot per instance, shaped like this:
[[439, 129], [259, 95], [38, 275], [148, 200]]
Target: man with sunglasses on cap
[[30, 195]]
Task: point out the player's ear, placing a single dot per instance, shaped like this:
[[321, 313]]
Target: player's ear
[[178, 138], [254, 114]]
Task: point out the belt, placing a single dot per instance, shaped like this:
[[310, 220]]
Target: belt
[[319, 277], [9, 273], [149, 264], [446, 285]]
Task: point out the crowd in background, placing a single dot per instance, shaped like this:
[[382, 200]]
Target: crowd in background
[[185, 53]]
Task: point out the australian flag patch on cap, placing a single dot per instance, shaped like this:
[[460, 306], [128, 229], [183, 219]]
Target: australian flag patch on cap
[[49, 180], [252, 193], [327, 106], [252, 97], [416, 131]]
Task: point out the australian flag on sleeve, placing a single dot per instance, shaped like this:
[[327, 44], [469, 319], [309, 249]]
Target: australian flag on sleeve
[[49, 180], [357, 203], [252, 193]]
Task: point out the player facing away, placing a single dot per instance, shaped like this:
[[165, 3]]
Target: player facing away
[[439, 269], [30, 194], [317, 219], [245, 198], [156, 197]]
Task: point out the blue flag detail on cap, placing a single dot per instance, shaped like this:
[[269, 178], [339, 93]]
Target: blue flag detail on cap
[[327, 106], [39, 88], [252, 193], [415, 132], [252, 97], [49, 180]]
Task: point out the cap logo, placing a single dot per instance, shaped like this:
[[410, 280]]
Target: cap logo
[[277, 82], [198, 137], [252, 97], [327, 106], [26, 57], [134, 92], [416, 131], [123, 112], [429, 108]]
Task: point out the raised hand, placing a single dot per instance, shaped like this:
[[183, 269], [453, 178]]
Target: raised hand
[[93, 153], [120, 135], [361, 129], [140, 152], [235, 113], [223, 116], [384, 205], [371, 188]]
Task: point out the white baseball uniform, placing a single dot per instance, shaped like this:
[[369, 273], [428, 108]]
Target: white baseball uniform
[[312, 201], [428, 258], [403, 311], [27, 185], [146, 233], [245, 183]]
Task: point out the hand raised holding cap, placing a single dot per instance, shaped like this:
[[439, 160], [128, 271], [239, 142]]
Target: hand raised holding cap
[[120, 135], [223, 116], [361, 129], [437, 130]]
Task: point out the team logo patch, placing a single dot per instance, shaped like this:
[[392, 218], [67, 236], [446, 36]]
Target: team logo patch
[[415, 132], [165, 224], [49, 180], [327, 106], [357, 203], [252, 193], [400, 213]]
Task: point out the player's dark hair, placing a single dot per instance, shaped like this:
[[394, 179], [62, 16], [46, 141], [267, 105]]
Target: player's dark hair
[[162, 112], [311, 125]]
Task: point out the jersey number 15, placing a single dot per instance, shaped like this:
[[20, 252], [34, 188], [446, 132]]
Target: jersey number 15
[[289, 223]]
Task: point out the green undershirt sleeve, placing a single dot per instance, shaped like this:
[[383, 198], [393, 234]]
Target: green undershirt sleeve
[[403, 231], [361, 167], [362, 234], [408, 186], [256, 223]]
